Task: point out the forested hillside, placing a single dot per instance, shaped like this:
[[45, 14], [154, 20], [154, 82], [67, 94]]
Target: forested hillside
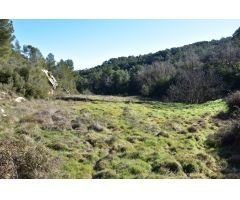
[[193, 73], [20, 67]]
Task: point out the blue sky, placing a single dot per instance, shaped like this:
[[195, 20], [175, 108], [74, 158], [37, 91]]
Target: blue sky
[[90, 42]]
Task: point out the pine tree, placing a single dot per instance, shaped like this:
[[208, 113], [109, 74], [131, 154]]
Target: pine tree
[[50, 62], [6, 37]]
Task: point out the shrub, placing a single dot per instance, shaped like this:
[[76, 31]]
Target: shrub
[[195, 86], [21, 158], [227, 141], [233, 101], [53, 121], [24, 79], [154, 79], [228, 137]]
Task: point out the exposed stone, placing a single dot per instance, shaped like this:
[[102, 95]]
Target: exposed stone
[[51, 78], [20, 99]]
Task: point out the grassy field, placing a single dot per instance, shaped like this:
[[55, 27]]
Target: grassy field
[[120, 139]]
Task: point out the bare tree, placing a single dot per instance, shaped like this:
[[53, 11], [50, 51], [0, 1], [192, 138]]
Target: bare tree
[[195, 86]]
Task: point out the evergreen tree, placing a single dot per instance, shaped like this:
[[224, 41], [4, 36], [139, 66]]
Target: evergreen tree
[[6, 37], [50, 62]]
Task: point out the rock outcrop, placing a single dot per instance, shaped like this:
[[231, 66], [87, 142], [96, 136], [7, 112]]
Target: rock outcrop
[[51, 78]]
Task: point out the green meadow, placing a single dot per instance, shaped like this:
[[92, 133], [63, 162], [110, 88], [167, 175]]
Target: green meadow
[[120, 139]]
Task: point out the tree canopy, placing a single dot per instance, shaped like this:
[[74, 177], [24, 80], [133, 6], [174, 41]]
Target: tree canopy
[[6, 37]]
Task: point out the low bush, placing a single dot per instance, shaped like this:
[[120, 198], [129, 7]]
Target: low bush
[[228, 137], [47, 120], [233, 101], [26, 80], [227, 143], [22, 158]]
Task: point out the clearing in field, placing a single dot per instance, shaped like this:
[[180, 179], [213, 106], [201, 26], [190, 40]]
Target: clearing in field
[[117, 137]]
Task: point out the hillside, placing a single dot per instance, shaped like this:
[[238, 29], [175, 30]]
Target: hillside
[[163, 73], [118, 139]]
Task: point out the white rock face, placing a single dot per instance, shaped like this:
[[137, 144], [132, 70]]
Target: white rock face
[[51, 78], [20, 99]]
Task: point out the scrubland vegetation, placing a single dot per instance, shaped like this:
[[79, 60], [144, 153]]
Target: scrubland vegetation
[[183, 121]]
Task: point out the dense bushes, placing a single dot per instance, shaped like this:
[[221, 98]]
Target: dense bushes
[[196, 86], [233, 101], [21, 158], [227, 140], [154, 79], [21, 75], [227, 143], [28, 81], [106, 81]]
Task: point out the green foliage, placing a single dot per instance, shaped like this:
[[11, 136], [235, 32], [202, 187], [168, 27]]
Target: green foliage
[[154, 74], [65, 76], [20, 69], [154, 79], [37, 85], [26, 80], [135, 140], [50, 62], [6, 30]]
